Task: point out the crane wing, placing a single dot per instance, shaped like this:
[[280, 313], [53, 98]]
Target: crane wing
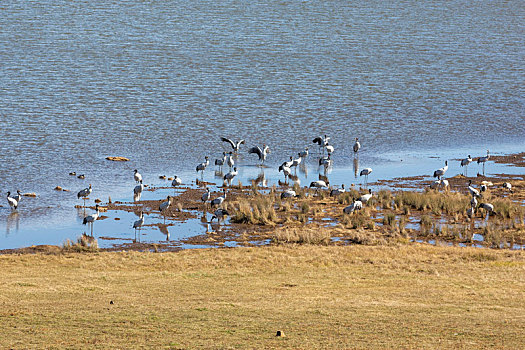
[[224, 139], [257, 150]]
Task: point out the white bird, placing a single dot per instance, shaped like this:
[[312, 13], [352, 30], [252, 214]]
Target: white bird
[[139, 188], [261, 153], [177, 181], [296, 162], [163, 207], [329, 149], [206, 195], [13, 203], [137, 176], [304, 154], [18, 196], [229, 176], [220, 215], [286, 171], [326, 161], [337, 191], [357, 146], [202, 166], [483, 160], [90, 219], [234, 145], [444, 184], [318, 184], [221, 162], [138, 224], [366, 197], [507, 186], [288, 194], [474, 192], [355, 206], [287, 164], [219, 200], [465, 162], [366, 172], [230, 160], [488, 207], [84, 194], [321, 141], [441, 171]]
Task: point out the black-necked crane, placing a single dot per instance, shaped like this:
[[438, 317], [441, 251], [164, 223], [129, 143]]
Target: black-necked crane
[[230, 175], [220, 214], [321, 142], [235, 145], [84, 194], [489, 208], [177, 181], [261, 152], [337, 191], [329, 149], [318, 185], [303, 154], [219, 200], [357, 146], [230, 160], [365, 172], [474, 192], [206, 196], [137, 175], [366, 197], [296, 162], [326, 161], [222, 161], [18, 196], [137, 225], [139, 188], [286, 171], [483, 160], [13, 203], [355, 206], [507, 186], [90, 219], [465, 162], [163, 207], [474, 202], [441, 171], [202, 166], [287, 164], [288, 194]]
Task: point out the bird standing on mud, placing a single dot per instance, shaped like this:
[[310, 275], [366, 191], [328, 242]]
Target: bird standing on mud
[[483, 160], [441, 171], [164, 206]]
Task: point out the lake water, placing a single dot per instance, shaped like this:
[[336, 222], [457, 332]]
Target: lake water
[[160, 82]]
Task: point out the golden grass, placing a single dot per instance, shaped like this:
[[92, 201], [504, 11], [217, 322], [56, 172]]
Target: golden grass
[[408, 296]]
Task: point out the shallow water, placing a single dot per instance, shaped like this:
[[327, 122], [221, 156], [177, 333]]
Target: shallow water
[[160, 82]]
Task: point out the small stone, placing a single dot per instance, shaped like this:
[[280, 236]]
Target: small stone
[[280, 334], [111, 302]]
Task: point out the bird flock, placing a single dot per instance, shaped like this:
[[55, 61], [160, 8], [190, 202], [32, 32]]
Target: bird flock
[[289, 169]]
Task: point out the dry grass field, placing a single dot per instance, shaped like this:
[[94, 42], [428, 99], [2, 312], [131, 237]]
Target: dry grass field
[[406, 296]]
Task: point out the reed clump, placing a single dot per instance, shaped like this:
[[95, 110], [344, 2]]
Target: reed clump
[[84, 243], [302, 235]]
